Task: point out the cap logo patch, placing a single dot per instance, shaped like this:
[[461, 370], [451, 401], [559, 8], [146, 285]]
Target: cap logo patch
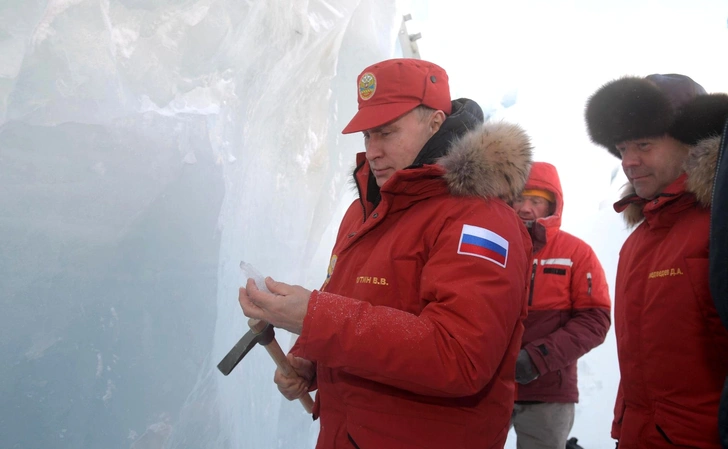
[[367, 86]]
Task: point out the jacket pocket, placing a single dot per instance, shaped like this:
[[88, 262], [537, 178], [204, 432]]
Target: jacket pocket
[[553, 288], [549, 382], [698, 272], [685, 428], [351, 440], [404, 430]]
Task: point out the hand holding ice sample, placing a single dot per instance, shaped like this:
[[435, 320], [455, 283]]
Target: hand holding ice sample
[[284, 307]]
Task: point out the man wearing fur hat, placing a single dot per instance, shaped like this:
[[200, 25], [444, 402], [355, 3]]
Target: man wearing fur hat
[[568, 315], [671, 344], [412, 340]]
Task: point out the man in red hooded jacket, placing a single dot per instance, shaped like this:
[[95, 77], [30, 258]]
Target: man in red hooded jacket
[[671, 344], [412, 340], [568, 315]]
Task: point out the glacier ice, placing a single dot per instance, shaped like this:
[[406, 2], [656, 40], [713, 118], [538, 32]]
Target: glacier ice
[[146, 147]]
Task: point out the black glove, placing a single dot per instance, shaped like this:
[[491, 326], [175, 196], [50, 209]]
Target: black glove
[[572, 443], [525, 370]]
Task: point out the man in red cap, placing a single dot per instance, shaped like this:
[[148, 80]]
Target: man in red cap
[[672, 347], [568, 315], [412, 340]]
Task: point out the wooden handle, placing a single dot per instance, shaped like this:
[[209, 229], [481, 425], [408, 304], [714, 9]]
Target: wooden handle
[[281, 361], [256, 325], [276, 353]]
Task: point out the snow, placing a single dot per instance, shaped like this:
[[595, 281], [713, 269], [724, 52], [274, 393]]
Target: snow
[[149, 146]]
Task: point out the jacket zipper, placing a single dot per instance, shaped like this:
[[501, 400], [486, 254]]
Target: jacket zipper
[[533, 278], [589, 283], [358, 190]]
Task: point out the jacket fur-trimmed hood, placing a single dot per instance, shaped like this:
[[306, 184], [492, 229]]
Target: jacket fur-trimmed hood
[[700, 169], [491, 161]]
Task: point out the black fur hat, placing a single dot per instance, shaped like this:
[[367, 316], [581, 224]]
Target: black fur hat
[[704, 116], [633, 108]]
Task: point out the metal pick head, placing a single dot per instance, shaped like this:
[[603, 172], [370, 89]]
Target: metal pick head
[[236, 354]]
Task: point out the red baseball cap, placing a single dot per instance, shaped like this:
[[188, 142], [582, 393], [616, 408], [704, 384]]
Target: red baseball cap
[[389, 89]]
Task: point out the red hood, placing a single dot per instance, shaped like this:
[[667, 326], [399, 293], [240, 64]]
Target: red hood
[[544, 176]]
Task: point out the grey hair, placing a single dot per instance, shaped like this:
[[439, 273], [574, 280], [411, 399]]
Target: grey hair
[[424, 112]]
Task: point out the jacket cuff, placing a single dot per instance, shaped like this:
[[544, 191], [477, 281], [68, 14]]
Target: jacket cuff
[[306, 330], [538, 358]]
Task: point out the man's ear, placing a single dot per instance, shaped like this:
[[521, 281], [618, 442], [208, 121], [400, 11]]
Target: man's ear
[[436, 121]]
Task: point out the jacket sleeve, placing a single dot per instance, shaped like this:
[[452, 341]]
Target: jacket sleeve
[[296, 351], [454, 346], [590, 317]]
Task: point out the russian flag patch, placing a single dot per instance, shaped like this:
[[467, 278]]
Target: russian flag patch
[[481, 242]]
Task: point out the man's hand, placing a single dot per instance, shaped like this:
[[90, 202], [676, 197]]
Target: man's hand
[[285, 307], [525, 370], [294, 387]]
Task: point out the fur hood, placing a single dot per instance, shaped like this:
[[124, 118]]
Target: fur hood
[[492, 160], [489, 160], [474, 158], [700, 169]]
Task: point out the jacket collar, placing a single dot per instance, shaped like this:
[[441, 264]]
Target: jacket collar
[[697, 182], [635, 208]]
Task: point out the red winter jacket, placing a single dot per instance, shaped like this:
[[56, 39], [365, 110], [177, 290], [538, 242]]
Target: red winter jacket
[[415, 340], [568, 306], [672, 346]]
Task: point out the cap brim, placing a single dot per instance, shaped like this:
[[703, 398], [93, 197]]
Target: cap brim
[[374, 116]]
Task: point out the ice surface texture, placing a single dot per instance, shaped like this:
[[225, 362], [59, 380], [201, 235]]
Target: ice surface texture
[[146, 147]]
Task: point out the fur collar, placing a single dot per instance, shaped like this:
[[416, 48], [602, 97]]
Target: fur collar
[[492, 160]]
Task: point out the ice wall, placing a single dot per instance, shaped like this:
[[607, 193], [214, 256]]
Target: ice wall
[[146, 147]]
